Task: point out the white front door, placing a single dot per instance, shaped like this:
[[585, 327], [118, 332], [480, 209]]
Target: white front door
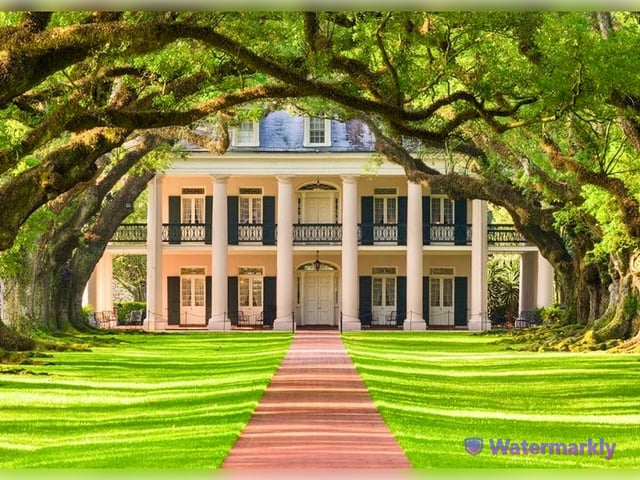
[[192, 308], [441, 301], [317, 208], [318, 298]]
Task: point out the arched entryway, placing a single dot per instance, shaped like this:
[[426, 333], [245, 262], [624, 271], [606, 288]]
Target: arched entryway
[[317, 285]]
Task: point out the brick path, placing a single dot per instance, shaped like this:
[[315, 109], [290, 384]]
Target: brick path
[[316, 413]]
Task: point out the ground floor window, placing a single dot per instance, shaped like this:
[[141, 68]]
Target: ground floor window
[[192, 295], [250, 290]]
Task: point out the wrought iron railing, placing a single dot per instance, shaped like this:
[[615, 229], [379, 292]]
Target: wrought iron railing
[[456, 233], [445, 233], [504, 234], [317, 233], [131, 233], [387, 233], [250, 232], [184, 232], [497, 234]]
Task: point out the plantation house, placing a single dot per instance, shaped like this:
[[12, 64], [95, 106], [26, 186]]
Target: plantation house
[[296, 224]]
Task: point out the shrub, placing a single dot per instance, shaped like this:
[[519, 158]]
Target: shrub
[[125, 308], [555, 315]]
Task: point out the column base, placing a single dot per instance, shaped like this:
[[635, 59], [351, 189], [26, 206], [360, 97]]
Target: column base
[[219, 323], [351, 325], [414, 323], [479, 323], [284, 324]]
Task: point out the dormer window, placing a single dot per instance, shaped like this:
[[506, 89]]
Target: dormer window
[[317, 132], [245, 135]]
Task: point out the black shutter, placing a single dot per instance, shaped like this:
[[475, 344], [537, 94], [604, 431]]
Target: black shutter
[[269, 301], [460, 221], [208, 219], [366, 226], [426, 220], [402, 220], [425, 299], [173, 300], [208, 299], [174, 220], [232, 299], [269, 220], [232, 220], [365, 301], [401, 299], [460, 302]]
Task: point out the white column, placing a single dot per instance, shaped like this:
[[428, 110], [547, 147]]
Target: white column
[[478, 316], [545, 282], [154, 320], [349, 284], [528, 284], [284, 256], [104, 284], [219, 286], [414, 320]]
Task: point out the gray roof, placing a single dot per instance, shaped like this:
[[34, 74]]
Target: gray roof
[[282, 132]]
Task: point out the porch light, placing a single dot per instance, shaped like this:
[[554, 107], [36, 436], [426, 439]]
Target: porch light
[[316, 264]]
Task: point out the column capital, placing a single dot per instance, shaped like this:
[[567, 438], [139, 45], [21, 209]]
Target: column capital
[[284, 178], [220, 178], [350, 178]]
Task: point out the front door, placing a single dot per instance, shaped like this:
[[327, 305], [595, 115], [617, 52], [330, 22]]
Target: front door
[[318, 298], [192, 305], [441, 301]]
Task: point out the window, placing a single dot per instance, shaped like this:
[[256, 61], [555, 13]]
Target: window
[[385, 206], [192, 287], [245, 135], [250, 206], [250, 286], [441, 292], [317, 132], [192, 205], [442, 210], [441, 287], [383, 287]]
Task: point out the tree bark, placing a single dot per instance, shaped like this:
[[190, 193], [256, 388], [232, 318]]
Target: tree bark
[[47, 291]]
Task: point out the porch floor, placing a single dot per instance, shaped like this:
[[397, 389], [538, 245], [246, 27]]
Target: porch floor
[[316, 413]]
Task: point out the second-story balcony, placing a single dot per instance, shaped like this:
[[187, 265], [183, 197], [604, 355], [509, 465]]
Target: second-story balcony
[[317, 233], [321, 233]]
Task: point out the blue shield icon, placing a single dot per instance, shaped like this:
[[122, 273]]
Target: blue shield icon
[[473, 445]]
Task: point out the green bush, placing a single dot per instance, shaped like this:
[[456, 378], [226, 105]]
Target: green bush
[[554, 315], [125, 308]]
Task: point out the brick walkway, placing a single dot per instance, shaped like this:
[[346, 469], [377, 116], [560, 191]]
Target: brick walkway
[[316, 413]]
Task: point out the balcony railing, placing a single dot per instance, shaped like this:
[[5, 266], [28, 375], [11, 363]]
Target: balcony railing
[[504, 234], [317, 233], [184, 232], [459, 234], [387, 233], [327, 233], [250, 232], [131, 233]]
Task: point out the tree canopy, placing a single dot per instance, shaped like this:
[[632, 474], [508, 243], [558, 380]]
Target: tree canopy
[[538, 110]]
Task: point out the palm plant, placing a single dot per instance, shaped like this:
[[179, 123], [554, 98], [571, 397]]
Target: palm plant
[[504, 289]]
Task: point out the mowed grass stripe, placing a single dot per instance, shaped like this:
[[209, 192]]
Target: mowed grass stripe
[[150, 401], [435, 389]]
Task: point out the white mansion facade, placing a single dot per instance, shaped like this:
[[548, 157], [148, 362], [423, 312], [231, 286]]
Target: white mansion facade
[[292, 226]]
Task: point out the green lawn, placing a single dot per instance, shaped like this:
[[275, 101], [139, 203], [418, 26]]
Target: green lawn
[[175, 401], [436, 389]]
